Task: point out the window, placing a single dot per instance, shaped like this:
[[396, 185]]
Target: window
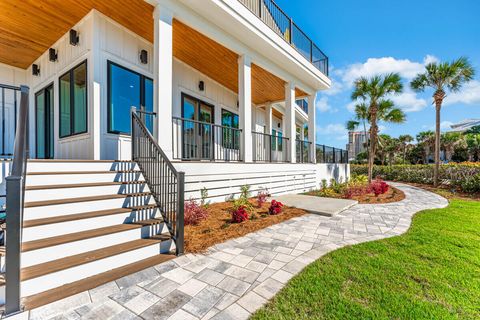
[[73, 101], [280, 141], [127, 88], [231, 137], [274, 139]]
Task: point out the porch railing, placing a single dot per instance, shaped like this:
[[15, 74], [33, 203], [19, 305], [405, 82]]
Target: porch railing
[[269, 148], [166, 184], [197, 140], [326, 154], [15, 205], [303, 151], [274, 17], [10, 97]]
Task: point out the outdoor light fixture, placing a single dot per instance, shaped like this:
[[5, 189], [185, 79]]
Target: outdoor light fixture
[[201, 85], [278, 125], [144, 56], [35, 70], [74, 38], [52, 55]]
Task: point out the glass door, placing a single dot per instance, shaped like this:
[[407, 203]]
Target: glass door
[[197, 131], [44, 136]]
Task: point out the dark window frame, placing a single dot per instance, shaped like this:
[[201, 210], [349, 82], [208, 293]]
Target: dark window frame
[[226, 144], [46, 119], [109, 99], [72, 102]]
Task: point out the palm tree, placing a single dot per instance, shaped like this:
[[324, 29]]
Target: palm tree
[[440, 77], [405, 139], [376, 106], [361, 115], [449, 141], [427, 140], [473, 144]]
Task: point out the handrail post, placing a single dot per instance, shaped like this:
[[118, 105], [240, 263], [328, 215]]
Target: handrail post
[[132, 112], [13, 239], [180, 223], [291, 30]]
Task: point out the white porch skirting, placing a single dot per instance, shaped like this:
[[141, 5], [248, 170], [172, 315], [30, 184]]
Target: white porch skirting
[[222, 180]]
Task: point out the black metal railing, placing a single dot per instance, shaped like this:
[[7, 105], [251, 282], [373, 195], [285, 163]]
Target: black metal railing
[[326, 154], [166, 184], [303, 151], [269, 148], [10, 96], [15, 205], [197, 140], [274, 17]]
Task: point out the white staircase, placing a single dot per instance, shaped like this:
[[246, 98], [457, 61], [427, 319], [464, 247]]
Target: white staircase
[[86, 223]]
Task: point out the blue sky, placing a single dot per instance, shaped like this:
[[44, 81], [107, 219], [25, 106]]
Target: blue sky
[[370, 36]]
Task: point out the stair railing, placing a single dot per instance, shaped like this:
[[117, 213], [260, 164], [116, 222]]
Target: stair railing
[[14, 207], [166, 184]]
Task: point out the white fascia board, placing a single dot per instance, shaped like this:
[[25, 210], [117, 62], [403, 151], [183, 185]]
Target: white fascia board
[[241, 31]]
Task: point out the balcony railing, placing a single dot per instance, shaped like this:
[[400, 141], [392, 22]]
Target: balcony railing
[[303, 151], [268, 148], [274, 17], [303, 104], [325, 154], [196, 140]]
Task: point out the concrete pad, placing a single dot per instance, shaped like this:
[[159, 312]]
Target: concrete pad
[[313, 204]]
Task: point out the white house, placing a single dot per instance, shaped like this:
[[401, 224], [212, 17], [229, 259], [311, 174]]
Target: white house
[[225, 87]]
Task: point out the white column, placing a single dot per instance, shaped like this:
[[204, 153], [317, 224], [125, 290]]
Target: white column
[[268, 119], [245, 105], [311, 125], [290, 118], [163, 77]]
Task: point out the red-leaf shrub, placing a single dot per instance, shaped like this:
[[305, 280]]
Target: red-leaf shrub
[[356, 191], [194, 213], [240, 214], [275, 207], [261, 198], [379, 187]]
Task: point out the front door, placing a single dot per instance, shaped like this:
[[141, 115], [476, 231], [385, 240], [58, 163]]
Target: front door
[[197, 130], [44, 136]]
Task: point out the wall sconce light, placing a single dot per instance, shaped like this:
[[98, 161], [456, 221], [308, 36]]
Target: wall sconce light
[[74, 38], [201, 85], [52, 55], [144, 56], [35, 70], [278, 125]]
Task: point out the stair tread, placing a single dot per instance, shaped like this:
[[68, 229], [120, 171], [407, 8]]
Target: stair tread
[[81, 235], [77, 160], [79, 185], [35, 173], [83, 215], [83, 199], [43, 298], [46, 268]]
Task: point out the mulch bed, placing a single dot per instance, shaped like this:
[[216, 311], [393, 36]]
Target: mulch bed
[[446, 191], [392, 195], [218, 228]]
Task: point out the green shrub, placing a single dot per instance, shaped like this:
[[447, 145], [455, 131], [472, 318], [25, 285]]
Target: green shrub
[[463, 176]]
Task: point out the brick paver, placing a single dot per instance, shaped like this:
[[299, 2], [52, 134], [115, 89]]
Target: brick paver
[[237, 277]]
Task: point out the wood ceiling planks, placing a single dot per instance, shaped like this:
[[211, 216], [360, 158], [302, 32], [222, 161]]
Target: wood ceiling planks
[[28, 28]]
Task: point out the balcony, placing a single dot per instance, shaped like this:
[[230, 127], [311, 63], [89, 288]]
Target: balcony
[[269, 148], [274, 17]]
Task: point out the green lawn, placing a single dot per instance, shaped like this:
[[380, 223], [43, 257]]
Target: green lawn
[[431, 272]]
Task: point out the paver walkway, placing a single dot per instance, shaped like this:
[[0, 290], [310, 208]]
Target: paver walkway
[[237, 277]]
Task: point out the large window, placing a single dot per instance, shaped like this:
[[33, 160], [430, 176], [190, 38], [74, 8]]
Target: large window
[[73, 101], [231, 137], [127, 88]]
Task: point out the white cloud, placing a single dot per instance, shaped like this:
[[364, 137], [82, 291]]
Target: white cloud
[[406, 68], [323, 105], [409, 102], [351, 106], [333, 129], [470, 94], [444, 126]]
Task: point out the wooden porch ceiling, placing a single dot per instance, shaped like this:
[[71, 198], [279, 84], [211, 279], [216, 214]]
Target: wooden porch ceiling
[[28, 28]]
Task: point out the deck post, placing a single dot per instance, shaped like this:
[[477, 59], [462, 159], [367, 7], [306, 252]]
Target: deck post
[[311, 126], [245, 106], [290, 119]]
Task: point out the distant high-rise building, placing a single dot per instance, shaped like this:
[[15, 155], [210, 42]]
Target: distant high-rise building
[[357, 141]]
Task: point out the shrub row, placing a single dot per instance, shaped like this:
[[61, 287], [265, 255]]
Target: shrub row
[[462, 176]]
